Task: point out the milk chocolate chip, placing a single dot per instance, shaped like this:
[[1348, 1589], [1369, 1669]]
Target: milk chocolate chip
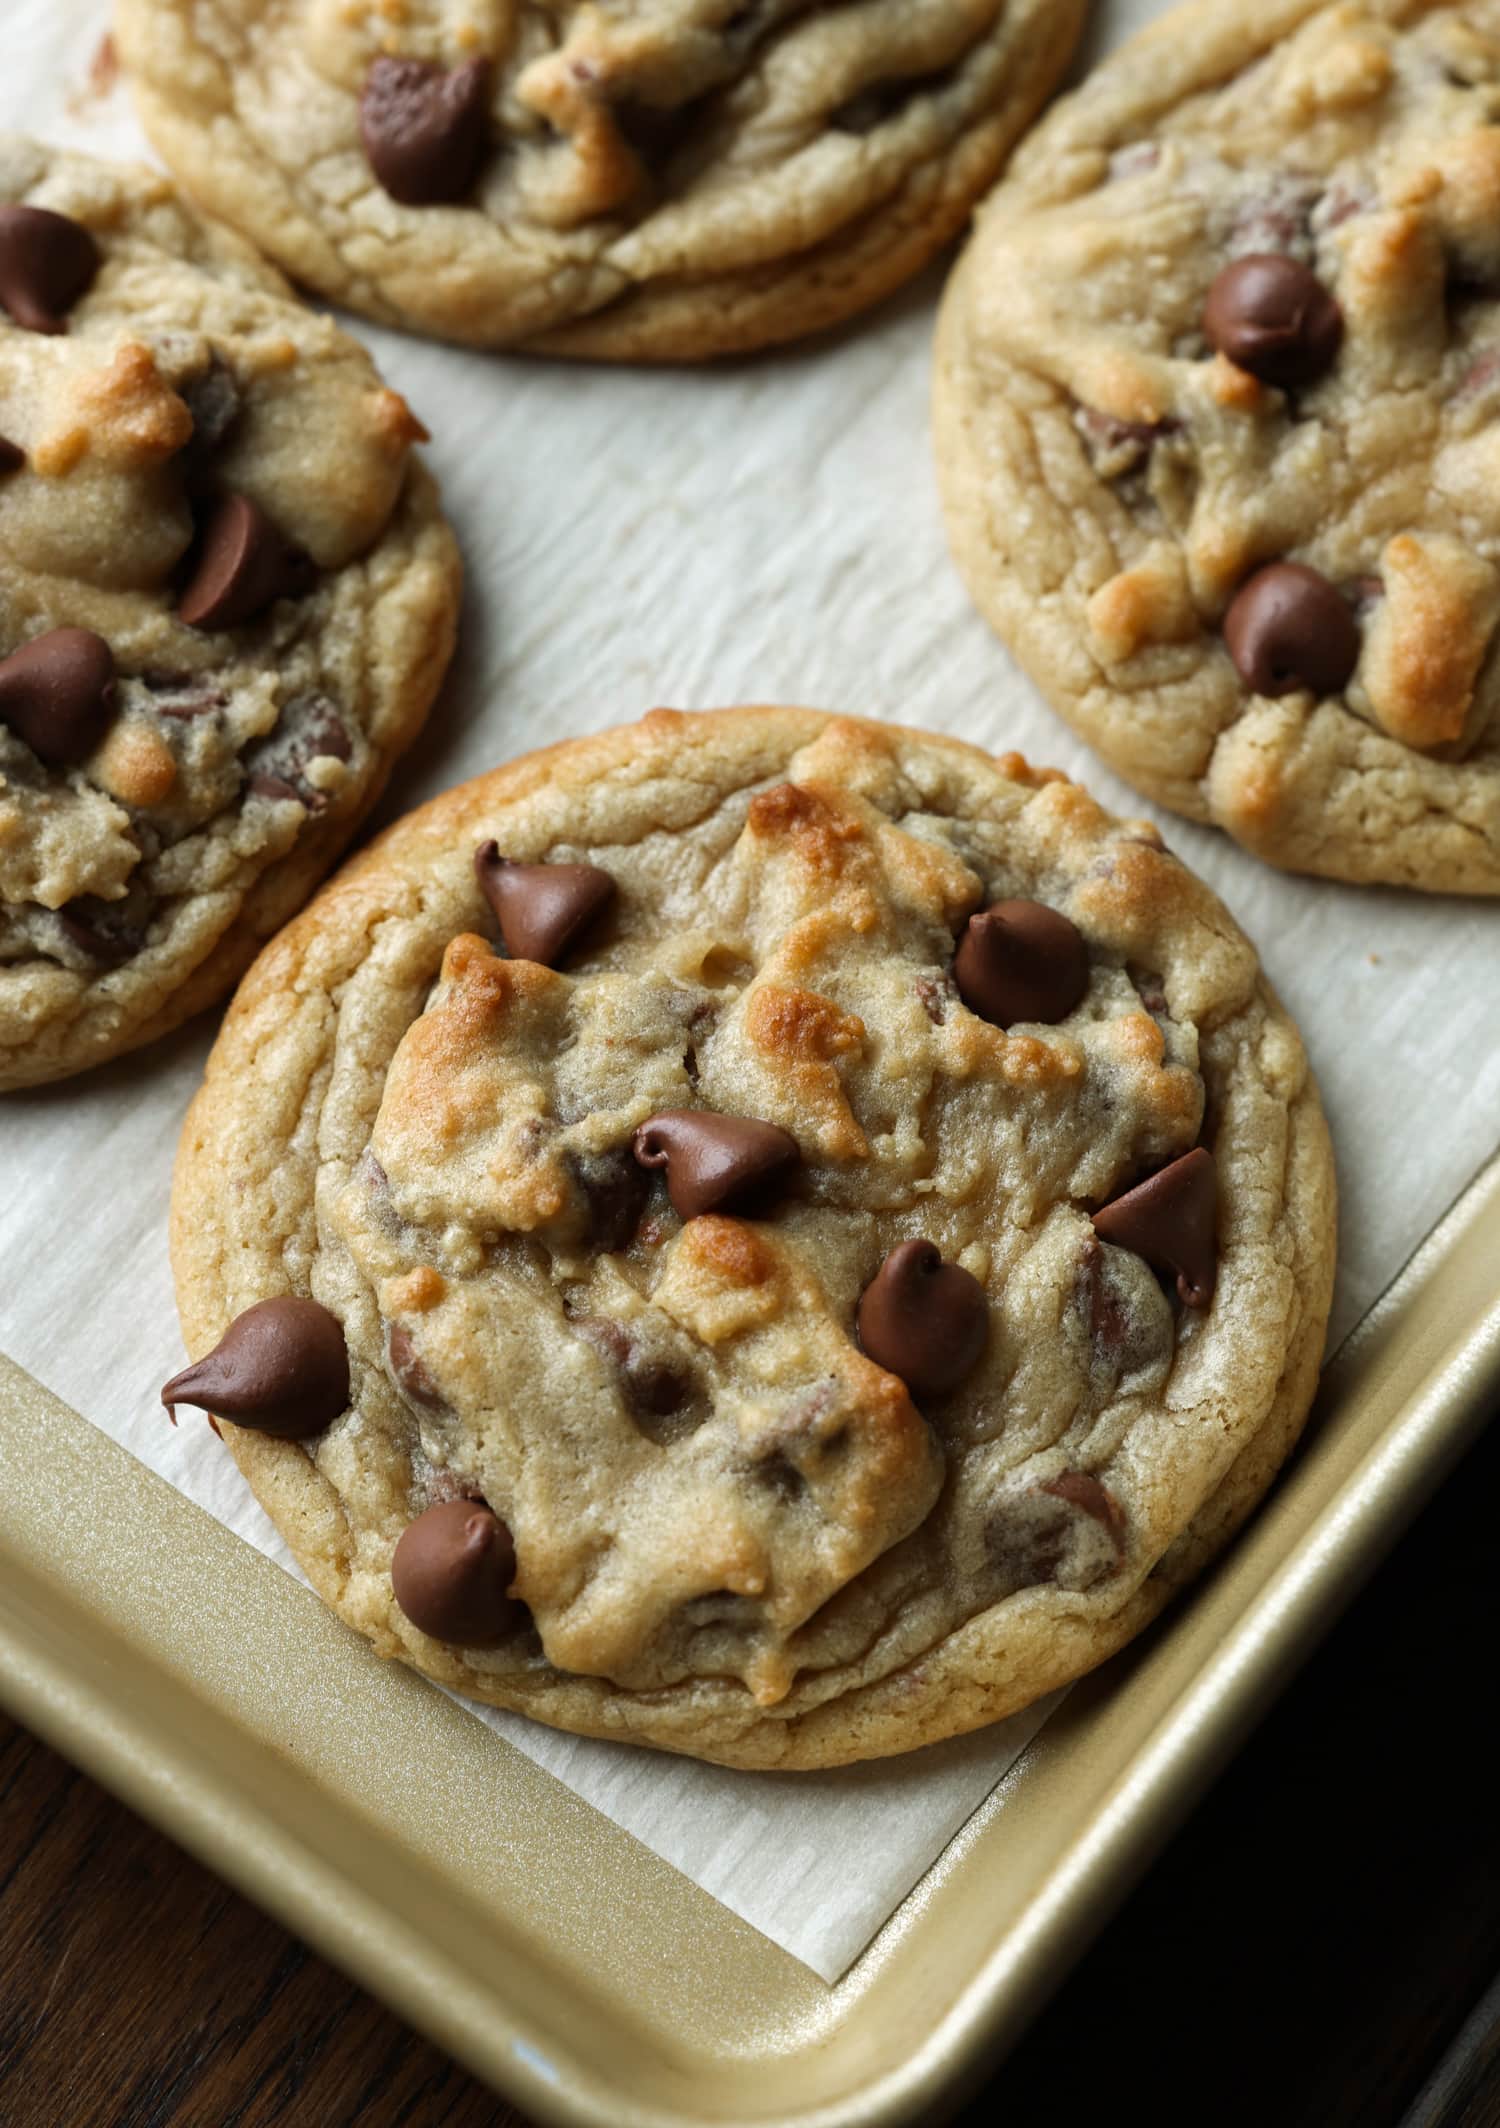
[[243, 565], [57, 694], [46, 262], [923, 1320], [281, 1368], [424, 127], [451, 1571], [409, 1371], [12, 457], [1273, 317], [1020, 960], [1169, 1220], [713, 1162], [541, 908], [1288, 628], [1081, 1489]]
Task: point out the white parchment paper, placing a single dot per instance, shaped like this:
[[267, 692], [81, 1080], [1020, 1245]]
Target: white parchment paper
[[762, 531]]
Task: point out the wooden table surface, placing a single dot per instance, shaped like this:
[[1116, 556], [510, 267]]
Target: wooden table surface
[[1318, 1949]]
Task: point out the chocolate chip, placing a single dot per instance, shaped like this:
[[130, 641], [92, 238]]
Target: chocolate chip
[[616, 1191], [1119, 447], [46, 262], [936, 993], [182, 694], [214, 399], [1288, 628], [1273, 317], [12, 457], [309, 729], [541, 908], [94, 929], [1070, 1531], [1169, 1219], [241, 566], [408, 1370], [1020, 960], [1081, 1489], [712, 1161], [923, 1320], [281, 1368], [424, 127], [1109, 1325], [652, 1389], [451, 1572], [57, 694]]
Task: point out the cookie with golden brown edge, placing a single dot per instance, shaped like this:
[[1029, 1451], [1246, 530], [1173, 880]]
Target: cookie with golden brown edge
[[1217, 406], [669, 180], [833, 1295], [227, 600]]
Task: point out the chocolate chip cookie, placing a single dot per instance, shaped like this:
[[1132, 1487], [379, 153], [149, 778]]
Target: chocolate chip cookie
[[227, 599], [669, 180], [773, 1236], [1218, 421]]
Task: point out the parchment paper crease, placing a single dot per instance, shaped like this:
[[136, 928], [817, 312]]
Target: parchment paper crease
[[764, 531]]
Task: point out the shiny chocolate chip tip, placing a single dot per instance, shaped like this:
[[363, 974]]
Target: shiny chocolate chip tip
[[451, 1574], [541, 908], [58, 694], [1271, 316], [1288, 629], [1021, 961], [1171, 1220], [923, 1320], [714, 1162], [281, 1368]]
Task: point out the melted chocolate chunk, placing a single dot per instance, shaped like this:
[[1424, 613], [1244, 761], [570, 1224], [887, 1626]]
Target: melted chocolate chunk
[[281, 1368], [408, 1371], [714, 1162], [47, 261], [1109, 1325], [1274, 318], [241, 566], [57, 694], [1081, 1489], [923, 1320], [451, 1574], [310, 729], [214, 399], [12, 457], [424, 127], [183, 694], [616, 1191], [1287, 629], [1170, 1220], [1021, 961], [937, 993], [652, 1388], [1120, 447], [99, 930], [1069, 1531], [542, 909]]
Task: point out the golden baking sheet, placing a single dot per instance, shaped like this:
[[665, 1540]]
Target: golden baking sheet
[[545, 1947]]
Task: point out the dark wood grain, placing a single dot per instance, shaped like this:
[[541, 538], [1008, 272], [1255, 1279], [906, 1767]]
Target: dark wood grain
[[1314, 1950], [137, 1991]]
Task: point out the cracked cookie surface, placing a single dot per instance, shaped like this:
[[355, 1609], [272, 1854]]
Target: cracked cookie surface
[[667, 180], [1126, 459], [733, 1530], [185, 438]]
